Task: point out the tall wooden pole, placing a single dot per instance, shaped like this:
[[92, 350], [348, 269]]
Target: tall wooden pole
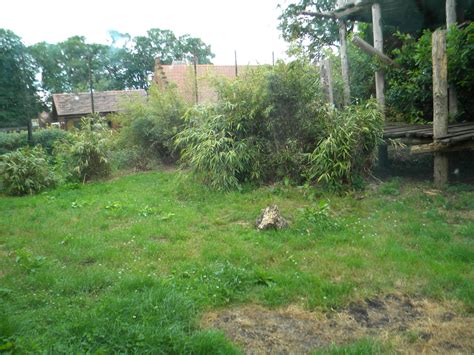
[[236, 67], [91, 88], [440, 103], [196, 95], [344, 62], [451, 19], [378, 44], [326, 81]]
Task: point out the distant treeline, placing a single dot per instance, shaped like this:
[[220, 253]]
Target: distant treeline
[[29, 75]]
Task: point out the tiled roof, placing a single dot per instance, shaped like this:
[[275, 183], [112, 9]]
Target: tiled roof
[[104, 101]]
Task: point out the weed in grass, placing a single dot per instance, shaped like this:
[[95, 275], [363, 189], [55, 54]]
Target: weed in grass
[[27, 261], [317, 218], [147, 211], [391, 188]]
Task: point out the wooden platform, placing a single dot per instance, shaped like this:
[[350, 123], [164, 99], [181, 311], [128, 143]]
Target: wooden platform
[[457, 133]]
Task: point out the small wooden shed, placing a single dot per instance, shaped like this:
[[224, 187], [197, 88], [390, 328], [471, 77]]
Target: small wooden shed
[[69, 108]]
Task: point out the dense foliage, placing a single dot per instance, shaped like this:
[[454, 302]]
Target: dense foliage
[[309, 33], [410, 88], [18, 97], [266, 127], [86, 155], [148, 129], [44, 137], [25, 171], [346, 153]]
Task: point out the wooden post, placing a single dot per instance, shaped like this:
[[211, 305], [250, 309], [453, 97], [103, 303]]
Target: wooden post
[[236, 66], [344, 62], [378, 44], [451, 19], [196, 96], [326, 81], [440, 103]]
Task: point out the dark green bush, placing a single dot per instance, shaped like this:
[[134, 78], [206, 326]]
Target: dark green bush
[[270, 124], [410, 90], [217, 149], [85, 155], [47, 138], [259, 129], [12, 141], [347, 151], [25, 171], [44, 137], [149, 127]]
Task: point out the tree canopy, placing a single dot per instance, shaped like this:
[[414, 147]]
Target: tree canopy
[[309, 33], [126, 63], [18, 93]]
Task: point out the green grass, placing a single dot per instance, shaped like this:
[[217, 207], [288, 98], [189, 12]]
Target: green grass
[[131, 264]]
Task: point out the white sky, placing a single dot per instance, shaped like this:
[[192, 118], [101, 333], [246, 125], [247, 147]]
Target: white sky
[[247, 26]]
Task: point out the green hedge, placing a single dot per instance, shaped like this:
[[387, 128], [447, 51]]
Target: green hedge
[[45, 137]]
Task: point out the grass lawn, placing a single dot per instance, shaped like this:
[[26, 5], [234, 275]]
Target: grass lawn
[[132, 264]]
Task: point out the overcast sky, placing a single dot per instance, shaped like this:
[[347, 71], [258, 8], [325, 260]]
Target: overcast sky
[[247, 26]]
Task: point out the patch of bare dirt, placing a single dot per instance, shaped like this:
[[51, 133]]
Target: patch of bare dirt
[[410, 325]]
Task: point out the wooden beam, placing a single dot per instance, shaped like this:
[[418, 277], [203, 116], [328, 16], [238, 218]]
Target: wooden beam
[[440, 104], [367, 48], [378, 44], [441, 148], [344, 62], [319, 14], [348, 11]]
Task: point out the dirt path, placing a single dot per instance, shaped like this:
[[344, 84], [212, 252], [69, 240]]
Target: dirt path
[[410, 325]]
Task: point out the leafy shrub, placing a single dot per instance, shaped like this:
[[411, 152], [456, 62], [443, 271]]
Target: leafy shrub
[[347, 151], [25, 171], [214, 149], [85, 156], [317, 217], [12, 141], [48, 137], [259, 130], [149, 127]]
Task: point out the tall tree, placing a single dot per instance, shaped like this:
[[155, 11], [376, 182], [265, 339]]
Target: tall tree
[[163, 44], [126, 63], [309, 33], [19, 101]]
